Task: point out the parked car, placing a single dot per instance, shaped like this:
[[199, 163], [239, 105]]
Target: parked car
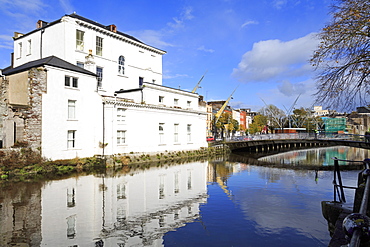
[[210, 139]]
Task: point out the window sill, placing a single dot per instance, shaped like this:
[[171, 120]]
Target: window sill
[[80, 51], [162, 144], [72, 120], [120, 75], [73, 88]]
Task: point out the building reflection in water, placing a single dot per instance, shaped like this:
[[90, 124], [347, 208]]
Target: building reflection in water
[[137, 208], [20, 215]]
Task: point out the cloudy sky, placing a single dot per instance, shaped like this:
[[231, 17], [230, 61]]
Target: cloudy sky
[[260, 47]]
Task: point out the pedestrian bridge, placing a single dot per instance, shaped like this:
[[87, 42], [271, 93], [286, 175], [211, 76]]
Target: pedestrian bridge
[[284, 141]]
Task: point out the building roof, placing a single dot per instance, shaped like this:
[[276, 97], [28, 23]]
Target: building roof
[[51, 61], [74, 15]]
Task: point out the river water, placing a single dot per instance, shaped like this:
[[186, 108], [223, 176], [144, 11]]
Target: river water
[[202, 203]]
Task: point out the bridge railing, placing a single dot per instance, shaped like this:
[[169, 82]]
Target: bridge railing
[[301, 135]]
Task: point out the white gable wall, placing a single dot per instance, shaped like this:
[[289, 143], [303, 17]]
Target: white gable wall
[[55, 122]]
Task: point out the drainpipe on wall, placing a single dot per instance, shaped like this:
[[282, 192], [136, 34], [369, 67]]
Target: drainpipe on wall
[[42, 32], [103, 129]]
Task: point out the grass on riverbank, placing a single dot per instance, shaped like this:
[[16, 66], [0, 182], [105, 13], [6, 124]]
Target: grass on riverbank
[[26, 164]]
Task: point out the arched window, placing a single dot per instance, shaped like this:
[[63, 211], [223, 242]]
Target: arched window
[[121, 65]]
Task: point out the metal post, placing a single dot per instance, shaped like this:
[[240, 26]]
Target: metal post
[[356, 237], [336, 170]]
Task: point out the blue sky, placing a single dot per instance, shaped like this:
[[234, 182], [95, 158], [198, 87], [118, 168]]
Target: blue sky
[[262, 47]]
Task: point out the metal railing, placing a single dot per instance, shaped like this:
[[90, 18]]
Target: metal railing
[[305, 135], [339, 192]]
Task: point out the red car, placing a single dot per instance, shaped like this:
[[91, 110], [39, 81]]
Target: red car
[[210, 138]]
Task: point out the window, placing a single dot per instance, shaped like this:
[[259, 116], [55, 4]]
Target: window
[[71, 139], [161, 133], [189, 132], [121, 65], [99, 46], [70, 81], [121, 191], [121, 115], [188, 103], [19, 50], [177, 187], [141, 81], [161, 99], [71, 109], [176, 133], [121, 137], [80, 64], [99, 73], [176, 101], [80, 40], [29, 47]]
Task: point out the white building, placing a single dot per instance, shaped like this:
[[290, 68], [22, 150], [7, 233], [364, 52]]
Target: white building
[[77, 88]]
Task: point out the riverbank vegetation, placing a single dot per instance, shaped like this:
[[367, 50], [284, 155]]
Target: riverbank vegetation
[[24, 164]]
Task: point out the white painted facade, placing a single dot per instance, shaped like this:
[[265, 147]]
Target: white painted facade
[[134, 209], [128, 109]]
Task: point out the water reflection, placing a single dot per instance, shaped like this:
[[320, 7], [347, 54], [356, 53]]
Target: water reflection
[[216, 203], [318, 156]]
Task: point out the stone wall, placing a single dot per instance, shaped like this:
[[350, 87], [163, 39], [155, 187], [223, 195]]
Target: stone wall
[[22, 124]]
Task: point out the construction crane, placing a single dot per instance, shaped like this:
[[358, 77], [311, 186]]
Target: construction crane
[[198, 84], [219, 113]]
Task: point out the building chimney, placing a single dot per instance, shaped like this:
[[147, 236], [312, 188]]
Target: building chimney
[[17, 35], [41, 24], [113, 28]]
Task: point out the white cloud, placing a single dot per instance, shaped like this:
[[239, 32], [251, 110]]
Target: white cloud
[[157, 38], [67, 6], [202, 48], [287, 92], [30, 5], [169, 76], [279, 3], [274, 59], [247, 23], [152, 37], [185, 15]]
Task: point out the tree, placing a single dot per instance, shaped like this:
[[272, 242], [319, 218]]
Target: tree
[[343, 56], [303, 118], [275, 116], [258, 123]]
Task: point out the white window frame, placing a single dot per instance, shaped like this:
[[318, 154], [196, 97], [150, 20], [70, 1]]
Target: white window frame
[[121, 65], [176, 132], [29, 47], [100, 76], [19, 49], [99, 46], [176, 102], [161, 133], [121, 137], [188, 103], [80, 40], [161, 99], [70, 81], [121, 115], [188, 130], [71, 139], [80, 64], [71, 109]]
